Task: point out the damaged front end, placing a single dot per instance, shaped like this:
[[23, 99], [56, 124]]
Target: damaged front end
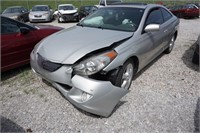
[[68, 17], [91, 95], [97, 97]]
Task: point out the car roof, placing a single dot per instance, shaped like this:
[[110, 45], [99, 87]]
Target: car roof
[[41, 5], [88, 6], [15, 7], [65, 5], [128, 3], [142, 6]]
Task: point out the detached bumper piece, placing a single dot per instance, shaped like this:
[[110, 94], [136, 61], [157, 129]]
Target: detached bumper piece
[[96, 97]]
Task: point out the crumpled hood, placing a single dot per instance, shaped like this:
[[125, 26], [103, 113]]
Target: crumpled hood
[[67, 11], [69, 45]]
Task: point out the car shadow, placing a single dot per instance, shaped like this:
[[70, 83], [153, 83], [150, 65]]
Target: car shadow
[[187, 58], [9, 126], [197, 117], [13, 72]]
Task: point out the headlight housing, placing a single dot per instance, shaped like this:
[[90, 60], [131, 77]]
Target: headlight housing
[[94, 64], [45, 14], [30, 14]]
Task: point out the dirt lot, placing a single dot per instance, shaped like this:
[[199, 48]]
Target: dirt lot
[[163, 97]]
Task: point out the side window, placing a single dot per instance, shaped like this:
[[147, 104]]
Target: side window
[[166, 14], [154, 17], [24, 9], [7, 27], [191, 7]]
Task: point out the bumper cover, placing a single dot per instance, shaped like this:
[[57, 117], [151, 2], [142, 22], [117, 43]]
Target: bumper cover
[[65, 17], [39, 19], [94, 96]]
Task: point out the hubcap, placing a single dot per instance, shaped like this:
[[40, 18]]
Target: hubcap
[[171, 45], [127, 76]]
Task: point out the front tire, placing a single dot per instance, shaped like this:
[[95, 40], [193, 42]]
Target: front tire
[[125, 75]]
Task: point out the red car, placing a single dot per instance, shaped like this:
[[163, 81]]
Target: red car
[[185, 11], [18, 40]]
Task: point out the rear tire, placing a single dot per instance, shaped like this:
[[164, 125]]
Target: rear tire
[[125, 75], [171, 45]]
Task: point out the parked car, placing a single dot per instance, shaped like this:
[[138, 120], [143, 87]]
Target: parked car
[[18, 40], [103, 3], [19, 13], [195, 58], [93, 63], [67, 12], [41, 13], [86, 10], [185, 11]]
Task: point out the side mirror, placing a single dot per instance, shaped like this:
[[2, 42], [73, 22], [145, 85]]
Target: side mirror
[[24, 30], [152, 28]]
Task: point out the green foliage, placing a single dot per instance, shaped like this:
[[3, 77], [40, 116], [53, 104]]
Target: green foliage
[[54, 3]]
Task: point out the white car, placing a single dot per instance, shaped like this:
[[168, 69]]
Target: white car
[[67, 12], [103, 3]]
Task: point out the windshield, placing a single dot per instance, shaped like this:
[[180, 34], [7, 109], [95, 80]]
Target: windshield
[[66, 8], [12, 10], [109, 2], [114, 18], [40, 8]]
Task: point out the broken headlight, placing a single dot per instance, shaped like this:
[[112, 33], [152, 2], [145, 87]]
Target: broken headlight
[[94, 64]]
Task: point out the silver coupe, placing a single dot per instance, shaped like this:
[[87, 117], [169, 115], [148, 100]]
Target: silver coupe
[[93, 63]]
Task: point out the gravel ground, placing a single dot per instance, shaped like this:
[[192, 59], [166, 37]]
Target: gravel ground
[[163, 97]]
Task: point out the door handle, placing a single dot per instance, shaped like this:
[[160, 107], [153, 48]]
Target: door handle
[[165, 30]]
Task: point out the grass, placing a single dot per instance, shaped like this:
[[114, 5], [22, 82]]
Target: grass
[[54, 3], [21, 74], [21, 79]]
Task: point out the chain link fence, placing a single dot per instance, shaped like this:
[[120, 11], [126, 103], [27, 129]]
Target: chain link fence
[[54, 3]]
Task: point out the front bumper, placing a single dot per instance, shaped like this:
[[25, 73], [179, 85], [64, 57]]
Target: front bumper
[[68, 17], [94, 96], [39, 19]]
